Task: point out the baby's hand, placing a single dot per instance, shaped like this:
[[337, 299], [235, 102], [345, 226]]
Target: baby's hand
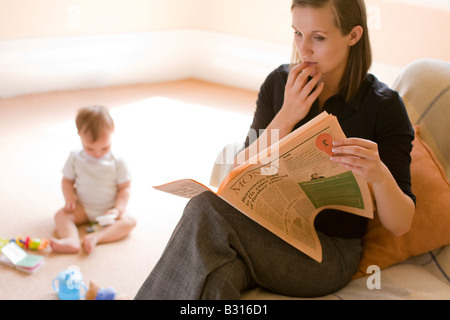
[[70, 206], [108, 217], [112, 211]]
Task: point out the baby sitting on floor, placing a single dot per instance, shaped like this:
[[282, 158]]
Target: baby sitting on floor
[[95, 183]]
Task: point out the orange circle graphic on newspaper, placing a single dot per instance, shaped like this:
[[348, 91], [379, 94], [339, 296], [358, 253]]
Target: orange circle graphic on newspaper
[[324, 142]]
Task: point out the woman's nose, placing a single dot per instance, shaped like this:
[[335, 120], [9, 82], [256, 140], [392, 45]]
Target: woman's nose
[[305, 48]]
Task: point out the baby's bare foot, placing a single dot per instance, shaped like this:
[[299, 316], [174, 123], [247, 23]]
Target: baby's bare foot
[[90, 241], [64, 245]]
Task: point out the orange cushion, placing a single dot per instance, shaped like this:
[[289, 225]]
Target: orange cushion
[[431, 225]]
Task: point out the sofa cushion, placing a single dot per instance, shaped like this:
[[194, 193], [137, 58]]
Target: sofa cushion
[[424, 86], [431, 224]]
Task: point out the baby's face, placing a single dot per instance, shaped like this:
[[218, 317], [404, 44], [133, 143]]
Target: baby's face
[[98, 148]]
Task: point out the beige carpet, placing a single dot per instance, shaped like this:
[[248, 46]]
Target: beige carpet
[[167, 131]]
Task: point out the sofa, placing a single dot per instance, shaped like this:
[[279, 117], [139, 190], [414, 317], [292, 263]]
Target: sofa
[[415, 266]]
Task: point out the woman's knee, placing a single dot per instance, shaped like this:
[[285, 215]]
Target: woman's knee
[[209, 203], [199, 204]]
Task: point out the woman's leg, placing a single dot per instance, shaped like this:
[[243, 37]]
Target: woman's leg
[[201, 249], [227, 282], [216, 252], [279, 267]]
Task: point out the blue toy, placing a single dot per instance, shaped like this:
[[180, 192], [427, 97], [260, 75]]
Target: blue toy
[[69, 284]]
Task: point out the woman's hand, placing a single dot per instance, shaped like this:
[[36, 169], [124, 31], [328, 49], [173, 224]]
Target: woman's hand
[[395, 209], [361, 156], [300, 94]]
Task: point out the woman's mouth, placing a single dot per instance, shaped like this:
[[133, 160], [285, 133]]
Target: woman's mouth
[[309, 63]]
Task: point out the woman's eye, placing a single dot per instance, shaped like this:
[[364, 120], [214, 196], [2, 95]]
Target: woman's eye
[[319, 38], [298, 33]]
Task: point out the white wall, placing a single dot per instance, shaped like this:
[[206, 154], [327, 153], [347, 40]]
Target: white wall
[[39, 65], [50, 45]]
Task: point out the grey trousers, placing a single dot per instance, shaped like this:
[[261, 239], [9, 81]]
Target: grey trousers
[[216, 252]]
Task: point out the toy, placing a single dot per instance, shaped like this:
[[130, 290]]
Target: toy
[[69, 284], [3, 242], [31, 243], [106, 220], [27, 243], [93, 227], [101, 221], [97, 293]]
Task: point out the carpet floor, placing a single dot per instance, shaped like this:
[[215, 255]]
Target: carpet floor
[[166, 131]]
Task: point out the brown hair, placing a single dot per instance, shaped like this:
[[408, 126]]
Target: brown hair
[[348, 14], [94, 120]]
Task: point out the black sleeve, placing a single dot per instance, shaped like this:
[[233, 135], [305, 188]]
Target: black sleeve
[[394, 135]]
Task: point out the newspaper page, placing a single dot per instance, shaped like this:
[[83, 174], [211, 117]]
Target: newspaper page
[[284, 187], [186, 188], [306, 182]]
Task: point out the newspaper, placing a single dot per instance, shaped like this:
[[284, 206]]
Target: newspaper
[[286, 185]]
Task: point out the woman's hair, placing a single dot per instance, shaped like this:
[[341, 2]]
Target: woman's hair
[[348, 14], [94, 120]]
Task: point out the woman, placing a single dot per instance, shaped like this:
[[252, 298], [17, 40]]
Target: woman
[[216, 252]]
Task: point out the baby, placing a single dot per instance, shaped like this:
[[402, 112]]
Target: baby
[[95, 184]]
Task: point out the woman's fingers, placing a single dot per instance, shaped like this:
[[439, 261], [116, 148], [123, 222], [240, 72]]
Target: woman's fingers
[[301, 91], [315, 94], [313, 85], [294, 73], [359, 155], [305, 77], [355, 141], [361, 148], [300, 74]]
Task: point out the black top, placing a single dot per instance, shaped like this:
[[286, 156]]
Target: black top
[[376, 113]]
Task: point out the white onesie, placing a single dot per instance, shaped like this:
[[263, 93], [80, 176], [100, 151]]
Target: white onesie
[[96, 180]]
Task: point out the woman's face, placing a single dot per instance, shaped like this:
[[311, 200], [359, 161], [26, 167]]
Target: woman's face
[[319, 42]]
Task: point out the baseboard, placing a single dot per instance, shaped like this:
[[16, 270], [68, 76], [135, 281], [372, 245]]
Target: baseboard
[[65, 63]]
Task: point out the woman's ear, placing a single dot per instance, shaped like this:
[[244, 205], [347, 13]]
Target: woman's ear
[[355, 35]]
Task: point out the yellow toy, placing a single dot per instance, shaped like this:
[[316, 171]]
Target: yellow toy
[[3, 242]]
